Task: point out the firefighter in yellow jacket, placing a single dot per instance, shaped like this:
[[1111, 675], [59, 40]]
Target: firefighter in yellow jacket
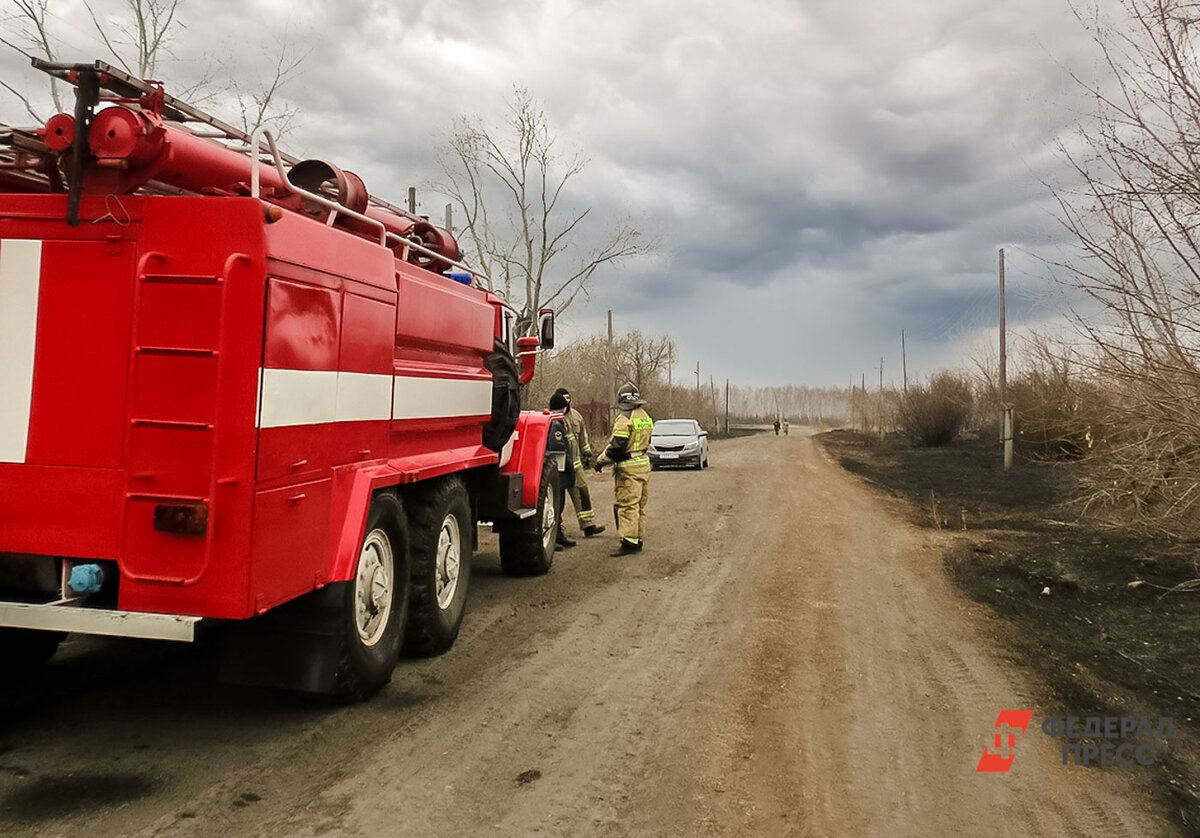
[[581, 458], [631, 468]]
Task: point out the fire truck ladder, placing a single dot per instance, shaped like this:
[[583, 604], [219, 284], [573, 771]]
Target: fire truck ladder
[[89, 79]]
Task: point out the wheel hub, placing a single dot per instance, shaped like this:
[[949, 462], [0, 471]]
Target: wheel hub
[[549, 519], [449, 561], [373, 587]]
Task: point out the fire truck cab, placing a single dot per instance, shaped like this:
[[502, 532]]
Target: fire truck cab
[[234, 387]]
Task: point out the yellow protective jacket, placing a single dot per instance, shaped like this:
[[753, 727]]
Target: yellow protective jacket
[[629, 442], [577, 434]]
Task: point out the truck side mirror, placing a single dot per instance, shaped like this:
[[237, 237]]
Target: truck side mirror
[[546, 328], [527, 349]]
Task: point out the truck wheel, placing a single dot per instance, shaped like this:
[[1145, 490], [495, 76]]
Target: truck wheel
[[441, 527], [375, 602], [527, 548], [25, 649]]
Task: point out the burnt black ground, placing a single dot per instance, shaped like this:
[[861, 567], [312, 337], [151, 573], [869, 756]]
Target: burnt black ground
[[1102, 644]]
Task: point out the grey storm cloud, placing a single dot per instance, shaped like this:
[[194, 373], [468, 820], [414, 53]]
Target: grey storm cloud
[[819, 175]]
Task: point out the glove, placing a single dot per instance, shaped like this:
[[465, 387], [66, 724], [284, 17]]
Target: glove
[[599, 466], [587, 459]]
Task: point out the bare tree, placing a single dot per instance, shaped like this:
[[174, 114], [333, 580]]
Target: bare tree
[[141, 31], [262, 105], [642, 360], [29, 34], [135, 36], [511, 185], [583, 366], [1135, 218]]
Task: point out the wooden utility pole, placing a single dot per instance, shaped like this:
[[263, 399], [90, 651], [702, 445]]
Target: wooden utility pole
[[712, 394], [412, 199], [670, 387], [699, 400], [881, 397], [1003, 347], [612, 376], [1006, 427], [904, 360], [727, 405], [450, 218]]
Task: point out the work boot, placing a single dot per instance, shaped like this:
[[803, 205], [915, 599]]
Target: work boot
[[626, 548], [563, 541], [592, 529]]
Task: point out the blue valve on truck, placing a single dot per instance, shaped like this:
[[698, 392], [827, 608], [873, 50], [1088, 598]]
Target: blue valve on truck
[[86, 578]]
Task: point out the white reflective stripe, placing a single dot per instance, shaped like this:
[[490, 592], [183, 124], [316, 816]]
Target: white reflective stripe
[[20, 281], [296, 397], [315, 397], [363, 397], [429, 398]]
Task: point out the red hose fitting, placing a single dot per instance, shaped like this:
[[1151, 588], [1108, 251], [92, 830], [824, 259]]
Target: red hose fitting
[[125, 138]]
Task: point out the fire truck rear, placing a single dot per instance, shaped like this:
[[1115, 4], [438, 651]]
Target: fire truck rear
[[236, 388]]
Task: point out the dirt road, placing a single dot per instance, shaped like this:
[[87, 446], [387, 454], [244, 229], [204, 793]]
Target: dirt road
[[786, 658]]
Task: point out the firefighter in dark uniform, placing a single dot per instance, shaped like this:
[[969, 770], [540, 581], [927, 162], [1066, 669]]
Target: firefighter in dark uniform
[[581, 458], [631, 468]]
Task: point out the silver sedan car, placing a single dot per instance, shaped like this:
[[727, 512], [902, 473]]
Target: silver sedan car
[[678, 442]]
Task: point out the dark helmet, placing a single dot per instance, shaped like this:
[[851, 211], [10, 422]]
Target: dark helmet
[[558, 402], [628, 398]]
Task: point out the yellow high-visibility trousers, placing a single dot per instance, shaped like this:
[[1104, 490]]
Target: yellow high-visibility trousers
[[631, 490]]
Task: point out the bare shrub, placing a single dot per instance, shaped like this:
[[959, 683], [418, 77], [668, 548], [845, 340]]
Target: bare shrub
[[937, 412], [1058, 407], [1144, 467], [1135, 218]]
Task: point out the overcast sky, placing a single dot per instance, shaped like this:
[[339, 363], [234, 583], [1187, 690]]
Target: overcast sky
[[820, 174]]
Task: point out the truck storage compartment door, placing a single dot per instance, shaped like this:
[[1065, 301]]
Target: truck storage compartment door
[[65, 309], [298, 390]]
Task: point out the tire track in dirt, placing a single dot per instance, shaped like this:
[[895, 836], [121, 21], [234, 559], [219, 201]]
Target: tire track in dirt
[[873, 688], [785, 658], [596, 692]]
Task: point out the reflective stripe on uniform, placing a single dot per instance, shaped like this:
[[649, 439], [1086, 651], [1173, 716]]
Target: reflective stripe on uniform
[[639, 458]]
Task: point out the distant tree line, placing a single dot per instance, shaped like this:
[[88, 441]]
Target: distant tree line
[[590, 371]]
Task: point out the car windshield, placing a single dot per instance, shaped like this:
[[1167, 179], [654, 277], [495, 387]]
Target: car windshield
[[675, 427]]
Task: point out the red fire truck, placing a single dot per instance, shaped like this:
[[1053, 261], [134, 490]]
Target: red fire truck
[[236, 388]]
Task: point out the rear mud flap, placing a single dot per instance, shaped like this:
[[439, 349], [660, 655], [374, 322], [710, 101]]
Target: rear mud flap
[[293, 647]]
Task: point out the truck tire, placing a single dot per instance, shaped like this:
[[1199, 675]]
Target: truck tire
[[24, 649], [527, 548], [506, 397], [440, 525], [375, 602]]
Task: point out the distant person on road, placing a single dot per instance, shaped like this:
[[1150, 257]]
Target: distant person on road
[[785, 426], [777, 426], [631, 468], [580, 448]]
